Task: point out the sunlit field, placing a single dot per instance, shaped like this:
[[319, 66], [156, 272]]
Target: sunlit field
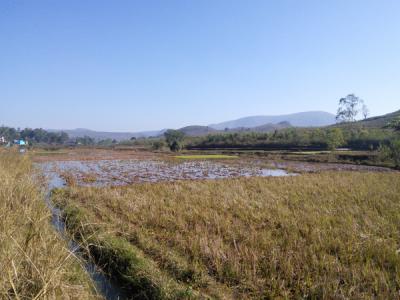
[[324, 235], [199, 150]]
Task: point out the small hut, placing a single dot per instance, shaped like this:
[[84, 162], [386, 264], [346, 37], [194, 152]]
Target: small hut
[[21, 145]]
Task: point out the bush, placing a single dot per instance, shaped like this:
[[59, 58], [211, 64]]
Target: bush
[[391, 152], [174, 139], [158, 145]]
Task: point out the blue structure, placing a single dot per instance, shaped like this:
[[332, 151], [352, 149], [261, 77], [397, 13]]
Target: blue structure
[[20, 142]]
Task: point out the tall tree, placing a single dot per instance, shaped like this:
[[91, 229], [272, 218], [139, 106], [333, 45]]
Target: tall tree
[[349, 108], [365, 111]]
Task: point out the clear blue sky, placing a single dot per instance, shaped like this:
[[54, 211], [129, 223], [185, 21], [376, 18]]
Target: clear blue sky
[[138, 65]]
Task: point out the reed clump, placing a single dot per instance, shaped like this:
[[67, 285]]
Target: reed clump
[[320, 236], [34, 261]]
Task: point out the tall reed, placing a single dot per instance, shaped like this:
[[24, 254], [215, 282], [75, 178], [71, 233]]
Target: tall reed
[[34, 261]]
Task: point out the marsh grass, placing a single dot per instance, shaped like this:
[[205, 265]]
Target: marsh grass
[[331, 235], [34, 262], [89, 177], [69, 178]]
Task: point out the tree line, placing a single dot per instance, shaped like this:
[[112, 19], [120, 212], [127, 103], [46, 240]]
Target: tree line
[[32, 136], [297, 138]]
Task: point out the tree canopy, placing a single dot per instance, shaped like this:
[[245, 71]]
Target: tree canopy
[[174, 139], [37, 135], [349, 107]]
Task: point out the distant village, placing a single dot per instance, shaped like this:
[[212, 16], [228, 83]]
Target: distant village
[[20, 143], [10, 136]]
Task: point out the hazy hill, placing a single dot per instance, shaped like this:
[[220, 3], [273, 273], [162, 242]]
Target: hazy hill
[[197, 130], [193, 130], [302, 119], [263, 128], [373, 122]]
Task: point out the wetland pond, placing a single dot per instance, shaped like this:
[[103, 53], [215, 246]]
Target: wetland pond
[[123, 172]]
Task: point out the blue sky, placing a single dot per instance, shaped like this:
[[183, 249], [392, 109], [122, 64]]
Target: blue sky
[[143, 65]]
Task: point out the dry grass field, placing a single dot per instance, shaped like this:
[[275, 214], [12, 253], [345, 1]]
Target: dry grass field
[[34, 262], [329, 235]]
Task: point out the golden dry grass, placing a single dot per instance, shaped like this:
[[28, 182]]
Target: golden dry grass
[[34, 262], [331, 235]]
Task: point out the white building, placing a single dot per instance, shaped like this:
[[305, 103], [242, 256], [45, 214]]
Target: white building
[[2, 140]]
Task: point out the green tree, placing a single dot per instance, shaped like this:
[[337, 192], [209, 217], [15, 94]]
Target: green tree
[[174, 139], [391, 152], [334, 138], [158, 145], [63, 138], [395, 152]]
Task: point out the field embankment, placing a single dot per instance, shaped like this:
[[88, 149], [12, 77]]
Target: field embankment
[[34, 262], [327, 235]]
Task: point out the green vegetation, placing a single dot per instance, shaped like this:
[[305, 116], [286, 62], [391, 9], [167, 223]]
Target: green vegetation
[[34, 261], [327, 235], [394, 124], [391, 152], [158, 145], [174, 139], [357, 138], [367, 134], [334, 138], [37, 135], [206, 156]]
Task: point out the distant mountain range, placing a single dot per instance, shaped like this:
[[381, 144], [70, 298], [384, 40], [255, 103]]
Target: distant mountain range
[[252, 123], [302, 119], [198, 130]]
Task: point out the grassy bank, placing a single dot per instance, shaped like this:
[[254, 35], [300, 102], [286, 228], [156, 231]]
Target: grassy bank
[[328, 235], [368, 158], [34, 261]]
